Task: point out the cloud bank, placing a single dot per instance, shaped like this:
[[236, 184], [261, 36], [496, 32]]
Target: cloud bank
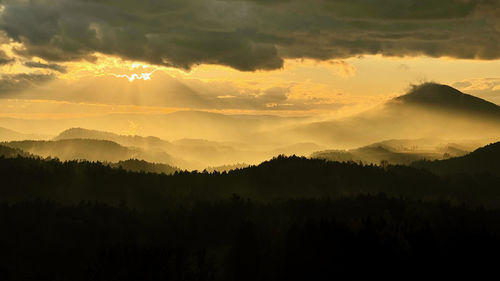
[[250, 35], [12, 83], [53, 66]]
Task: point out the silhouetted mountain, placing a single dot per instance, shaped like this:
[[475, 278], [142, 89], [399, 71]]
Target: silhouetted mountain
[[135, 141], [196, 153], [279, 178], [396, 152], [88, 149], [443, 97], [482, 160], [168, 126], [426, 111], [188, 153], [75, 149], [289, 218]]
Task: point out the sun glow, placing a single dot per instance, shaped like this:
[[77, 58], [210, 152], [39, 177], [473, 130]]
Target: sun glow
[[136, 76]]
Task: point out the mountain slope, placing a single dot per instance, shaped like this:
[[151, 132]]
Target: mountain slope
[[88, 149], [135, 165], [426, 111], [196, 153], [482, 160], [125, 140], [444, 97], [9, 152], [397, 151]]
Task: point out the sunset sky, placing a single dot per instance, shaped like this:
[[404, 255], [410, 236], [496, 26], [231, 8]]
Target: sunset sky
[[77, 58]]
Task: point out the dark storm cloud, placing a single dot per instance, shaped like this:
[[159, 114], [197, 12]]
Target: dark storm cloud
[[13, 83], [251, 34], [52, 66]]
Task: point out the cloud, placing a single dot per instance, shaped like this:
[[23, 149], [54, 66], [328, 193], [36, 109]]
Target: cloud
[[164, 90], [52, 66], [344, 69], [486, 88], [251, 35], [4, 59], [13, 83], [478, 84]]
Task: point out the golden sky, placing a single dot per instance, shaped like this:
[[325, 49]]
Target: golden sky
[[301, 87], [65, 59]]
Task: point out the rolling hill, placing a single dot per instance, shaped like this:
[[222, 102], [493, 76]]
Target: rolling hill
[[195, 153], [88, 149], [135, 165], [402, 152], [427, 111], [9, 152], [169, 126], [482, 160], [125, 140]]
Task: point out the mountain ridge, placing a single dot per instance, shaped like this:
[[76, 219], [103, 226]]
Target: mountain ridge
[[427, 111], [445, 97], [481, 160]]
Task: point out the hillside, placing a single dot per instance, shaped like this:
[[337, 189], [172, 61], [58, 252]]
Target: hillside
[[9, 152], [443, 97], [289, 217], [167, 126], [425, 111], [135, 141], [196, 153], [88, 149], [135, 165], [402, 152], [282, 177], [482, 160]]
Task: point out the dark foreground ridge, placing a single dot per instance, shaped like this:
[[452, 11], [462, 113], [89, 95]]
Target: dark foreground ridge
[[289, 218], [280, 178], [354, 238], [482, 160]]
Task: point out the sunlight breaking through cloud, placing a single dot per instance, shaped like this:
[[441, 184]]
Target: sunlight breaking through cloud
[[136, 76]]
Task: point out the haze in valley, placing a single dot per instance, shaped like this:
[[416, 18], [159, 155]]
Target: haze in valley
[[339, 84]]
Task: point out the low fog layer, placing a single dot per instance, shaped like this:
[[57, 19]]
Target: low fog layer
[[431, 121]]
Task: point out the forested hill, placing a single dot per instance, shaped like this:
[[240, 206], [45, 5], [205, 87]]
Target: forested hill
[[136, 165], [483, 160], [9, 152], [280, 178], [289, 218]]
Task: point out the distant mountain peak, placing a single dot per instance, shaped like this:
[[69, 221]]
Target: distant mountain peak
[[432, 92], [447, 98]]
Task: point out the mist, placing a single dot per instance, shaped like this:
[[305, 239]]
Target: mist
[[219, 140], [449, 123]]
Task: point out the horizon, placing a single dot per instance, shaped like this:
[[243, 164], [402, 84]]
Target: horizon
[[70, 60], [427, 122], [245, 140], [125, 69]]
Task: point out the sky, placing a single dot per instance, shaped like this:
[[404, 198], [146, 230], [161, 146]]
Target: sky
[[77, 58]]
